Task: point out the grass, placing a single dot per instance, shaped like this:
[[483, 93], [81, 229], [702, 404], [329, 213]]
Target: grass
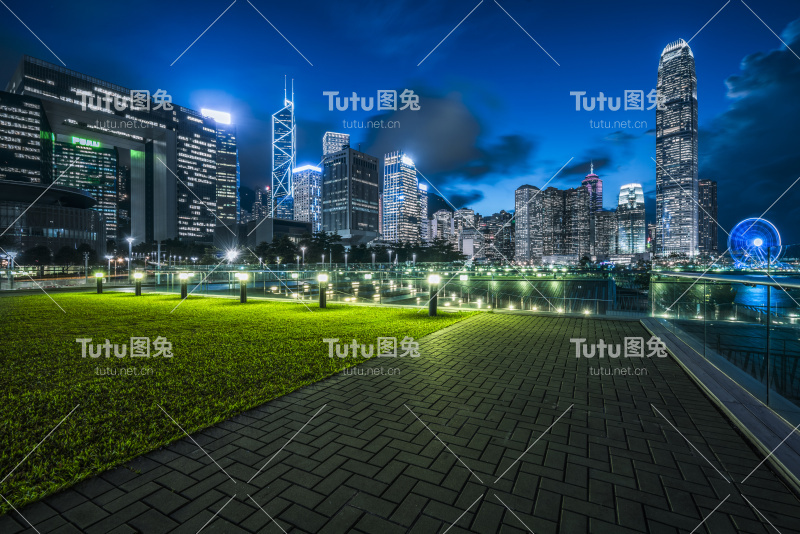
[[227, 359]]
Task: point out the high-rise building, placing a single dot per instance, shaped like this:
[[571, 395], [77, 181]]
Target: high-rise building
[[528, 212], [594, 186], [499, 236], [284, 154], [424, 231], [308, 196], [26, 148], [262, 205], [605, 233], [172, 150], [677, 187], [333, 142], [401, 206], [350, 184], [90, 166], [442, 226], [565, 222], [227, 172], [632, 233], [708, 217]]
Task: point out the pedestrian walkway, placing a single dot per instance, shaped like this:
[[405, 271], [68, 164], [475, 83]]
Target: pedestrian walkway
[[496, 427]]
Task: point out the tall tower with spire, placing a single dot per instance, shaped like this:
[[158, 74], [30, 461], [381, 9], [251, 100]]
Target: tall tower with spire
[[677, 185], [594, 186], [284, 156]]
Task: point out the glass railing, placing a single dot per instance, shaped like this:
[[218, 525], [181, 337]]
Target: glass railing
[[746, 322]]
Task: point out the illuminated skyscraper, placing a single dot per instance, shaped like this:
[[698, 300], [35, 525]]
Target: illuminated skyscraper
[[334, 142], [284, 153], [594, 186], [90, 166], [423, 213], [227, 167], [708, 217], [632, 232], [676, 152], [401, 208], [528, 202], [308, 196]]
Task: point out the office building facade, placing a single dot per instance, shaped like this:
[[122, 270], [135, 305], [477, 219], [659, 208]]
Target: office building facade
[[350, 198], [400, 208], [528, 213], [26, 148], [631, 228], [333, 142], [227, 174], [677, 187], [424, 226], [708, 217], [308, 196]]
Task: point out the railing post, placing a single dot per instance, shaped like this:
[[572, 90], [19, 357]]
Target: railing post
[[769, 324]]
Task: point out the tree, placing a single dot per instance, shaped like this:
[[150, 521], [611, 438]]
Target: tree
[[84, 248], [67, 256]]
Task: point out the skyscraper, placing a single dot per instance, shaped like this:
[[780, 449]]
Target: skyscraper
[[25, 153], [227, 171], [605, 233], [401, 206], [565, 222], [333, 142], [284, 154], [350, 183], [708, 217], [632, 232], [423, 213], [308, 196], [528, 204], [594, 186], [676, 152]]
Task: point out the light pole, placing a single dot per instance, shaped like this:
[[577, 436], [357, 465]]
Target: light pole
[[278, 259], [85, 267], [414, 260], [298, 262], [137, 279], [130, 254], [108, 257], [323, 261], [322, 278], [373, 260], [303, 250], [345, 261], [242, 277], [390, 257], [433, 282]]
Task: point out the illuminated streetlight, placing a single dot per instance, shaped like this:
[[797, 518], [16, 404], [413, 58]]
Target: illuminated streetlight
[[184, 278], [137, 280], [303, 250], [99, 277], [242, 277], [433, 282], [322, 278]]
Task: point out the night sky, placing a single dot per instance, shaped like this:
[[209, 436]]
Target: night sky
[[495, 108]]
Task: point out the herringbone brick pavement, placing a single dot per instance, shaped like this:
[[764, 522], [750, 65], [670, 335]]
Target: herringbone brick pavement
[[577, 451]]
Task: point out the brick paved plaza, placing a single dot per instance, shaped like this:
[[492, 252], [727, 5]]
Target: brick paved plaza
[[360, 459]]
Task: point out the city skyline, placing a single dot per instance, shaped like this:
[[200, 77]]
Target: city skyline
[[494, 148]]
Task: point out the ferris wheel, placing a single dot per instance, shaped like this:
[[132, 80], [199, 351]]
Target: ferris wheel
[[754, 243]]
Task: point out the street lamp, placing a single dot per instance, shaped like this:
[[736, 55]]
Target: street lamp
[[184, 278], [433, 282], [109, 257], [231, 255], [323, 261], [130, 253], [137, 280], [99, 277], [373, 260], [322, 278], [278, 259], [414, 260], [298, 262], [390, 257], [345, 261], [303, 250], [242, 277]]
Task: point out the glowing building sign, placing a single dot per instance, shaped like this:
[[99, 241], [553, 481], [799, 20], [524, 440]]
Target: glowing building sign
[[85, 142]]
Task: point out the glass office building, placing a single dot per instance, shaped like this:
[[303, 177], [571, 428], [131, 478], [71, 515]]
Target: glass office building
[[631, 228], [350, 184], [401, 206], [308, 196], [677, 187]]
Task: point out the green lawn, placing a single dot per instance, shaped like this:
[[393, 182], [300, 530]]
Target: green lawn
[[227, 358]]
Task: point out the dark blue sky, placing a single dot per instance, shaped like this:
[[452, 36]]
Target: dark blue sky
[[495, 109]]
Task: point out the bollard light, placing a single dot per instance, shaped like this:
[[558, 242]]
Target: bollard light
[[433, 282], [242, 277], [184, 278], [99, 277], [463, 277], [322, 278], [137, 283]]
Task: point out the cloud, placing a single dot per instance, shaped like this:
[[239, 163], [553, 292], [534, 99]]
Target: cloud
[[751, 148]]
